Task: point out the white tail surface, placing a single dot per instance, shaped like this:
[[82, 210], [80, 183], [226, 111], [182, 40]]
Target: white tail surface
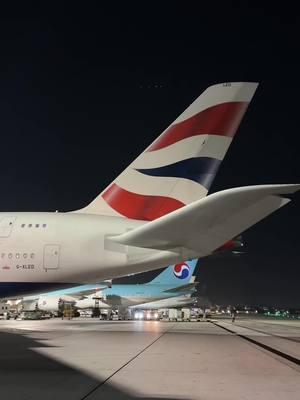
[[179, 166]]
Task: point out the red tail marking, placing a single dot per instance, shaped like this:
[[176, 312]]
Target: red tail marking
[[222, 119], [138, 206]]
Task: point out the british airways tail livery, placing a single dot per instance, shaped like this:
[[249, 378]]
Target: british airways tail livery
[[154, 213], [179, 166]]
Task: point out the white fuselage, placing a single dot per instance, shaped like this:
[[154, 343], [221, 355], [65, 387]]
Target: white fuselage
[[69, 248]]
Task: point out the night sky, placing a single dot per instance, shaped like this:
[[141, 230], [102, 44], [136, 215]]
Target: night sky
[[84, 89]]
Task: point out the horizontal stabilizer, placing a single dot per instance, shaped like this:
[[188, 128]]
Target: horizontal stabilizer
[[198, 229]]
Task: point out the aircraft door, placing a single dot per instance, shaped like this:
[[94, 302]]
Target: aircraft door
[[51, 256], [6, 226]]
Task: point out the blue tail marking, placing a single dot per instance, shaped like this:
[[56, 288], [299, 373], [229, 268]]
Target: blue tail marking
[[199, 169]]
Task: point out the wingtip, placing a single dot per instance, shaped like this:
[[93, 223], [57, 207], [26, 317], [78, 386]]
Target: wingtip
[[292, 187]]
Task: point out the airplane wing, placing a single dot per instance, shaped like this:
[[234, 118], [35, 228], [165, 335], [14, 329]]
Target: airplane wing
[[182, 288], [198, 229], [82, 294]]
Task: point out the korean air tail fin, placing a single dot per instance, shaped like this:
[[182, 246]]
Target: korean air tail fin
[[179, 167], [178, 274]]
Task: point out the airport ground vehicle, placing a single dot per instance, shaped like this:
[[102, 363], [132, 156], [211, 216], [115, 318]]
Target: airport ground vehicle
[[4, 310], [146, 315]]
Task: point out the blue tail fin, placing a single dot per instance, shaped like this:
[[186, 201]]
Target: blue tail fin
[[178, 274]]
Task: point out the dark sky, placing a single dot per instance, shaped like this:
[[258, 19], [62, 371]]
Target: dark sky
[[84, 89]]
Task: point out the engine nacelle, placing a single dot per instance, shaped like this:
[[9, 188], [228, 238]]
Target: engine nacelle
[[49, 303], [29, 305], [90, 302]]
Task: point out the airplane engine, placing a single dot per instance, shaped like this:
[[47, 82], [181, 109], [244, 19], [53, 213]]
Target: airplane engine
[[85, 303], [49, 303], [90, 303], [54, 303], [29, 305]]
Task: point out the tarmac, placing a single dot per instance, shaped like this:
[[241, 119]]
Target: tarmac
[[91, 359]]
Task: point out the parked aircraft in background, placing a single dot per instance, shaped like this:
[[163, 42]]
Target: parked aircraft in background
[[155, 213], [173, 281]]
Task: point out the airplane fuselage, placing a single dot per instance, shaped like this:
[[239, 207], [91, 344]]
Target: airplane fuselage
[[51, 250], [120, 295]]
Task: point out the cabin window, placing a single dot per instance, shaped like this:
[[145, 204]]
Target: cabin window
[[32, 255], [10, 255], [44, 225], [23, 226], [30, 226], [18, 255], [25, 255], [37, 225]]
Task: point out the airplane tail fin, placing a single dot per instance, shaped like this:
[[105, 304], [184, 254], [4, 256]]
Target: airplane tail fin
[[178, 168], [178, 274]]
